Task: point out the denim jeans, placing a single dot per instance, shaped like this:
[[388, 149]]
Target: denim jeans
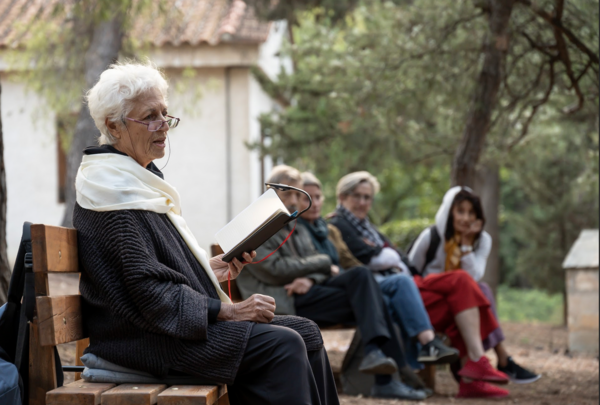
[[407, 309]]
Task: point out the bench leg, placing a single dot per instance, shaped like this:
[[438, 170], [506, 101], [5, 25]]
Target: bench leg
[[42, 371]]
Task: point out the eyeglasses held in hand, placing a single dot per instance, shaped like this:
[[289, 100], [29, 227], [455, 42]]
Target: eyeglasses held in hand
[[154, 126]]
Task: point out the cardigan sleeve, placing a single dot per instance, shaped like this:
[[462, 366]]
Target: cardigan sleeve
[[359, 248], [164, 303], [474, 263]]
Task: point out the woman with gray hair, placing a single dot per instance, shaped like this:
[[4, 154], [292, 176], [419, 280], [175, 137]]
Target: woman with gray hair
[[151, 296], [453, 302]]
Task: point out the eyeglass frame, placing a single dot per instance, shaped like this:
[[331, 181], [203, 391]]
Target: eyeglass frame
[[150, 122]]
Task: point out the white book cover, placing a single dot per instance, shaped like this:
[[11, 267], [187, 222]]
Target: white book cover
[[247, 221]]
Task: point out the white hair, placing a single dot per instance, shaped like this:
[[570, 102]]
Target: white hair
[[284, 174], [349, 182], [114, 95], [309, 179]]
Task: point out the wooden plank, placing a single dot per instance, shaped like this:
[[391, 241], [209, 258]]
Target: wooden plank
[[133, 394], [42, 372], [59, 319], [80, 346], [428, 375], [189, 395], [41, 285], [54, 249], [223, 395], [78, 393]]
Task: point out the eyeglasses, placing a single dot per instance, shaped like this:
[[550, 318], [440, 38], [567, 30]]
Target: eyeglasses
[[360, 197], [154, 126]]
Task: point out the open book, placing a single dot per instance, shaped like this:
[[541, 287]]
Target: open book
[[253, 226]]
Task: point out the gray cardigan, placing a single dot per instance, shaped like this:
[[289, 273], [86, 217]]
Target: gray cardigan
[[297, 258]]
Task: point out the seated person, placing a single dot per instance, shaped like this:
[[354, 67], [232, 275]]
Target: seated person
[[151, 296], [305, 282], [403, 295], [463, 244], [453, 300]]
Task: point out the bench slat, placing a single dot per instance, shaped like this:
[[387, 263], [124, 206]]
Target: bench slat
[[189, 395], [54, 249], [133, 394], [78, 393], [59, 319]]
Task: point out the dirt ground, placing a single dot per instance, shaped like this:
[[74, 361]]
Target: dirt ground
[[567, 379]]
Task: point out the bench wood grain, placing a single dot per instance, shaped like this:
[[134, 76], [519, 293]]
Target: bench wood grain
[[54, 249], [189, 395], [78, 393], [59, 319], [133, 394]]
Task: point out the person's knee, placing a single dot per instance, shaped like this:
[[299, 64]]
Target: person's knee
[[289, 341], [464, 278], [361, 273]]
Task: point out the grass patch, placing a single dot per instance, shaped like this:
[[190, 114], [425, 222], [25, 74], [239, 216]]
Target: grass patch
[[520, 305]]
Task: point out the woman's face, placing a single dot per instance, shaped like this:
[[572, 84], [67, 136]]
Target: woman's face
[[316, 195], [359, 201], [464, 216], [134, 138]]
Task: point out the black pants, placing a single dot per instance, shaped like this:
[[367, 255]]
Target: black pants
[[353, 297], [276, 369]]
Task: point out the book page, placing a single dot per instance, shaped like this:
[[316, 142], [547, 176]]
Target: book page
[[249, 220]]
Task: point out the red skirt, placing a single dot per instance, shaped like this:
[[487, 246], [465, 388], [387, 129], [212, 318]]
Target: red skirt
[[447, 294]]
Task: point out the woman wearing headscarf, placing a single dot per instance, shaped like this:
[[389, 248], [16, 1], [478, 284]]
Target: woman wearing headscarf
[[453, 300], [151, 296], [458, 241]]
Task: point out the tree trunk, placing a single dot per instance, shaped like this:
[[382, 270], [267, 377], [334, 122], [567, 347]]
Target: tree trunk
[[485, 95], [487, 186], [104, 50], [4, 266]]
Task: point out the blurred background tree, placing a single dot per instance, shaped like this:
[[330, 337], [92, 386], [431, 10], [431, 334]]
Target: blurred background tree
[[390, 87]]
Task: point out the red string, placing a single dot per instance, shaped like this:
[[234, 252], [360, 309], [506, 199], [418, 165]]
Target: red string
[[261, 260]]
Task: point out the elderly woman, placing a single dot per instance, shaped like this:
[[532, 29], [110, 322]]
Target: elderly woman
[[152, 299], [453, 300]]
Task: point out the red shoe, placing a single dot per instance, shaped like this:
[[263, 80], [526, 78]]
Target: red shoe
[[480, 389], [483, 370]]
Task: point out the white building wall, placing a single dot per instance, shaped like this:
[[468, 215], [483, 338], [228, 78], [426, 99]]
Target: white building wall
[[30, 157]]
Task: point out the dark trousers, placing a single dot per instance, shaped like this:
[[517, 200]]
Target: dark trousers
[[353, 297], [277, 369]]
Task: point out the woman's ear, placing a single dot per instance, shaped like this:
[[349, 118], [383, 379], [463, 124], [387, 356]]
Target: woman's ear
[[113, 128]]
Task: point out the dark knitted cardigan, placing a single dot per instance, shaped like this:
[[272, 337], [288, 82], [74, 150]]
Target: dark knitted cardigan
[[145, 299]]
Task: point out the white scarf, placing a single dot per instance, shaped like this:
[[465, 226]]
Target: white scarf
[[111, 182]]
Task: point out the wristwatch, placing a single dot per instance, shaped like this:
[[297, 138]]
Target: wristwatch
[[466, 248]]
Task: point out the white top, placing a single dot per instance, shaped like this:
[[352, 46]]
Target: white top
[[473, 263]]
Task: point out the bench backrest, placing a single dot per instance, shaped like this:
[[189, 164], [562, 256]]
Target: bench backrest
[[57, 319]]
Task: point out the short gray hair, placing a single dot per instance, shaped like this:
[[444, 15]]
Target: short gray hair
[[349, 182], [114, 95], [309, 179], [283, 174]]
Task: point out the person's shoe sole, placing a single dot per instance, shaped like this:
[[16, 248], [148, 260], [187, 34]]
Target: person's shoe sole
[[447, 359], [525, 380], [387, 367]]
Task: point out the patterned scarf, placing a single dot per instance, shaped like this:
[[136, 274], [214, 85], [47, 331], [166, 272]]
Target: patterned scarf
[[318, 232], [453, 253], [366, 229]]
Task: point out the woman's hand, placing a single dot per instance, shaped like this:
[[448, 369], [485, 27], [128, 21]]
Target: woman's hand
[[257, 308], [221, 268], [468, 238], [299, 286]]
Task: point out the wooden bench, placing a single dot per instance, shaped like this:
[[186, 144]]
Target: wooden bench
[[58, 320]]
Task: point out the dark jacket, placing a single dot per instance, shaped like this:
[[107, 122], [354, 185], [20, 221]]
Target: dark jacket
[[358, 247], [297, 258]]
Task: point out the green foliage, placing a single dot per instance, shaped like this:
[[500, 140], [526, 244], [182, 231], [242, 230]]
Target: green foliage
[[403, 233], [549, 194], [519, 305]]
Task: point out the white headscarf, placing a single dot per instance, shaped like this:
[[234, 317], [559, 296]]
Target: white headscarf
[[112, 182]]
